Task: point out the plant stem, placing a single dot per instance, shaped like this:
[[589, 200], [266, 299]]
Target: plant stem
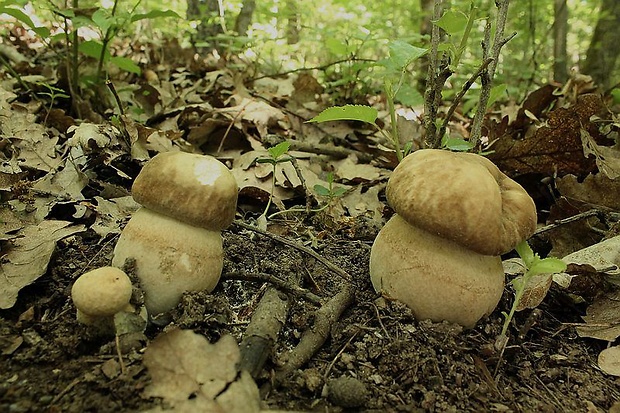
[[518, 294]]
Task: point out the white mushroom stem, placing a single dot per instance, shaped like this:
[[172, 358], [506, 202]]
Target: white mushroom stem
[[435, 277], [171, 257]]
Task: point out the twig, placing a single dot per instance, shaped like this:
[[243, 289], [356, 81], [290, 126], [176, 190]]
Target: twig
[[564, 221], [462, 92], [339, 271], [263, 330], [283, 285], [314, 337], [331, 364], [487, 75], [433, 88]]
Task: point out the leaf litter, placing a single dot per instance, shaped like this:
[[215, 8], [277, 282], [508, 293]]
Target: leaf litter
[[68, 193]]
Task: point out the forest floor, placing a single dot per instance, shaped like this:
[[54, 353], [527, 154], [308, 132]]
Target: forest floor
[[50, 364], [65, 191]]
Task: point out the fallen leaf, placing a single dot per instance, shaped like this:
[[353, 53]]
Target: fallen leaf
[[535, 291], [29, 256], [609, 360], [189, 372], [607, 158], [602, 319], [596, 189]]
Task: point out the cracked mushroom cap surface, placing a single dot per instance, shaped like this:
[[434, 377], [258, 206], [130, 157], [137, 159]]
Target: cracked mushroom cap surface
[[462, 197], [196, 189]]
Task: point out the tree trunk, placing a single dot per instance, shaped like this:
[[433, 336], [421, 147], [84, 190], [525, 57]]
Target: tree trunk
[[245, 17], [426, 8], [605, 45], [293, 24], [209, 14], [560, 29]]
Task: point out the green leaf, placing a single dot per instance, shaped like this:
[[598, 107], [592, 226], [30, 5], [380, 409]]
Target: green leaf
[[525, 252], [452, 22], [91, 48], [402, 53], [321, 190], [338, 191], [408, 95], [153, 14], [496, 92], [126, 64], [337, 47], [18, 14], [547, 266], [279, 150], [457, 144], [102, 20], [347, 112]]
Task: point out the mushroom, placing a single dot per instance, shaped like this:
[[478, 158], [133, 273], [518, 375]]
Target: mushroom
[[456, 213], [100, 294], [174, 240]]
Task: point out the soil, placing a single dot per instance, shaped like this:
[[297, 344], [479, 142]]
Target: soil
[[378, 357]]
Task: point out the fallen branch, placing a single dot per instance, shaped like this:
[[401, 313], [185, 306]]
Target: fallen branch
[[315, 336], [286, 286]]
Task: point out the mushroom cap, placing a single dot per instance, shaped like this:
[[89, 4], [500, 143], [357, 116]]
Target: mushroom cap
[[462, 197], [196, 189], [101, 292], [436, 278], [171, 257]]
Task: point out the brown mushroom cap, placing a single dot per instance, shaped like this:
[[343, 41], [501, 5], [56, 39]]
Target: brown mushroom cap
[[102, 292], [195, 189], [462, 197]]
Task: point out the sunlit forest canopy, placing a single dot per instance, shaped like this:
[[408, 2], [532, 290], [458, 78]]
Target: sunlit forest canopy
[[275, 36]]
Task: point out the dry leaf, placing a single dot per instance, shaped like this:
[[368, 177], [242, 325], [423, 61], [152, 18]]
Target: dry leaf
[[609, 360], [604, 256], [535, 291], [607, 159], [190, 373], [602, 319], [594, 190], [28, 258]]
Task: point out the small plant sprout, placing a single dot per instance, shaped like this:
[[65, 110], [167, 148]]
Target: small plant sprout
[[534, 265], [277, 154], [330, 192]]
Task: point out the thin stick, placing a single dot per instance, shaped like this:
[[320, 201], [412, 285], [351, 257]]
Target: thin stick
[[339, 271], [280, 284], [564, 221]]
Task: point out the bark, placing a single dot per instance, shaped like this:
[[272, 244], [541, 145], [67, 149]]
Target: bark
[[426, 8], [209, 14], [293, 23], [560, 30], [245, 17], [605, 45]]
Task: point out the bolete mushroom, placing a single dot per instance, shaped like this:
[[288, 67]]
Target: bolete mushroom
[[456, 213], [100, 294], [174, 240]]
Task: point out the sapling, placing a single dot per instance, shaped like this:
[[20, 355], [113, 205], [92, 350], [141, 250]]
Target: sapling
[[277, 155], [534, 265]]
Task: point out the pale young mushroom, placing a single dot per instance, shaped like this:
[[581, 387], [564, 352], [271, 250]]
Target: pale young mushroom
[[100, 294], [439, 254], [174, 240]]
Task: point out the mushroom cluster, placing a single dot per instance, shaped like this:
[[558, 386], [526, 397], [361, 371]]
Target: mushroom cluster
[[174, 240], [456, 213]]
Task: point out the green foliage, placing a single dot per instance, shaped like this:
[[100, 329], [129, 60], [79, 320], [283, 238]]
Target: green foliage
[[348, 112], [534, 265]]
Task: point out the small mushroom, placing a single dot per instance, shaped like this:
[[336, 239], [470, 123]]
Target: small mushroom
[[439, 254], [175, 239], [100, 294]]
